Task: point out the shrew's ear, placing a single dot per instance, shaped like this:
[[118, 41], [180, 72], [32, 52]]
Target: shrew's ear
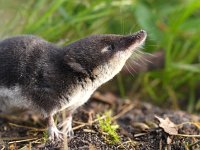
[[77, 67], [74, 65]]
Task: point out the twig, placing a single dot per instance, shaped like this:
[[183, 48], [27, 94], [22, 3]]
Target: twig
[[187, 135], [24, 140], [9, 117], [84, 124], [3, 147], [16, 138], [129, 141], [197, 124], [124, 111], [21, 126], [78, 122], [198, 142]]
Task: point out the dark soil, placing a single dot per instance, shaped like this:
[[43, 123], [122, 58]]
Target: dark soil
[[138, 128]]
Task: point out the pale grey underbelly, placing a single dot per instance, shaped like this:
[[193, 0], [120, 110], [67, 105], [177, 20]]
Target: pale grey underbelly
[[11, 98]]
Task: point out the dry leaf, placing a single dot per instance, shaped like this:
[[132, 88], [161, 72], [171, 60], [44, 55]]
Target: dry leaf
[[197, 124], [106, 98], [140, 125], [92, 147], [168, 126]]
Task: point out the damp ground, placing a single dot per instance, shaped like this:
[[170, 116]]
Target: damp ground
[[137, 126]]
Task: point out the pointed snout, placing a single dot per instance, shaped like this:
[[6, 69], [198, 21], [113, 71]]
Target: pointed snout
[[140, 36], [135, 40]]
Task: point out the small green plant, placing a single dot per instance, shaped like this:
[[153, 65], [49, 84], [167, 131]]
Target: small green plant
[[45, 136], [109, 128]]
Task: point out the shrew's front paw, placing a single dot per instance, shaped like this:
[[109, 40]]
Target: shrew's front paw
[[68, 131], [54, 134], [67, 127]]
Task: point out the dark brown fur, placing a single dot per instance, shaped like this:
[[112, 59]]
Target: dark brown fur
[[44, 71]]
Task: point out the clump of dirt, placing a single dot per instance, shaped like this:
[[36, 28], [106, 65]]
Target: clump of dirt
[[138, 128]]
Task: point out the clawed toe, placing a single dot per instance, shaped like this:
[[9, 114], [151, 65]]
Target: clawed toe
[[67, 127], [68, 132], [54, 134]]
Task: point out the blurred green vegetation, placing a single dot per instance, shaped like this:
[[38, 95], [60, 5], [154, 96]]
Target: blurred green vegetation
[[172, 26]]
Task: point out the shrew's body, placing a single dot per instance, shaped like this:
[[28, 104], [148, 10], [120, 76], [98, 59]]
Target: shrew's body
[[42, 77]]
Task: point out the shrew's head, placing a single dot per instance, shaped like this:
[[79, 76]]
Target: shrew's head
[[102, 55]]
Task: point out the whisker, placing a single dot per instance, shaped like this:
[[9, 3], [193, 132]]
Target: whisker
[[129, 70], [144, 53], [135, 62], [142, 56], [131, 66], [147, 60], [140, 62], [137, 58]]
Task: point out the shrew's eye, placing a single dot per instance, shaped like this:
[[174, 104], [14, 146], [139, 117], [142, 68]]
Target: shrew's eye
[[111, 47], [108, 48]]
